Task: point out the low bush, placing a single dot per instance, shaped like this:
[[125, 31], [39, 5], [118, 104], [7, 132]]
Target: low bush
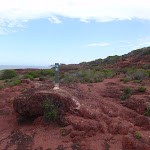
[[125, 70], [146, 66], [1, 86], [143, 83], [125, 80], [127, 93], [142, 89], [127, 90], [125, 96], [137, 135], [40, 73], [63, 132], [98, 80], [89, 89], [17, 82], [148, 111], [22, 90], [27, 76], [50, 110], [136, 81], [139, 74], [86, 76], [8, 74]]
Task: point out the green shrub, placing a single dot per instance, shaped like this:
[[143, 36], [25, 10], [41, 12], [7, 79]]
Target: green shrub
[[8, 74], [17, 82], [84, 80], [63, 132], [13, 90], [1, 86], [117, 73], [98, 80], [146, 66], [117, 70], [148, 111], [40, 73], [89, 89], [125, 80], [7, 80], [127, 90], [125, 70], [22, 90], [127, 93], [142, 89], [50, 110], [137, 135], [47, 72], [86, 76], [124, 97], [148, 73], [138, 74], [143, 83], [27, 76], [136, 81]]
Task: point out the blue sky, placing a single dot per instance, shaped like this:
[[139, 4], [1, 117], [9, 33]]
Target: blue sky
[[66, 32]]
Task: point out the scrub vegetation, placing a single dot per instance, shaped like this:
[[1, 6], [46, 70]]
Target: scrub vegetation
[[8, 74]]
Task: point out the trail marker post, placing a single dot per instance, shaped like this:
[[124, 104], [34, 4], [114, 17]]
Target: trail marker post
[[56, 76]]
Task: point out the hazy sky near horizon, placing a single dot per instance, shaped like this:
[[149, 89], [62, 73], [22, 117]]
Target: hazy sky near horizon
[[42, 32]]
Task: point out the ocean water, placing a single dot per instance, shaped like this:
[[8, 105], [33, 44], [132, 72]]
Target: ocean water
[[2, 67]]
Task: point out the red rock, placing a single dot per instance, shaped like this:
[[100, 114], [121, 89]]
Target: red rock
[[142, 121], [77, 133], [128, 143], [118, 128], [82, 124], [91, 133], [136, 104], [36, 79], [28, 81], [143, 146], [38, 120]]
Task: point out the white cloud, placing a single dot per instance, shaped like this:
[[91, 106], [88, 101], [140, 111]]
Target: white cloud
[[16, 12], [84, 20], [3, 30], [99, 44], [54, 19]]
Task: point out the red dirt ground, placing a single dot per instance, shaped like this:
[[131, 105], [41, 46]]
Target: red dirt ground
[[112, 126]]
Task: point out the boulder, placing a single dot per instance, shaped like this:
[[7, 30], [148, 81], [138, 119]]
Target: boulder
[[31, 104]]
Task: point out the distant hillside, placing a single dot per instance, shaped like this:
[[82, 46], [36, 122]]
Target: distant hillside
[[2, 67], [137, 58], [134, 56]]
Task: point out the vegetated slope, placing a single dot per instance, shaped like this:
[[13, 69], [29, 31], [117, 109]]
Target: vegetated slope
[[137, 57]]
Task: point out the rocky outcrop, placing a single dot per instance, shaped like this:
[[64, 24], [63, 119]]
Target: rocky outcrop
[[31, 104], [136, 104]]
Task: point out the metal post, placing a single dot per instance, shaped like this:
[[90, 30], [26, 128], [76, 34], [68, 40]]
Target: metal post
[[56, 76]]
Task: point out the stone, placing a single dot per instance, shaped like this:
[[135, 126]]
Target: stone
[[27, 81]]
